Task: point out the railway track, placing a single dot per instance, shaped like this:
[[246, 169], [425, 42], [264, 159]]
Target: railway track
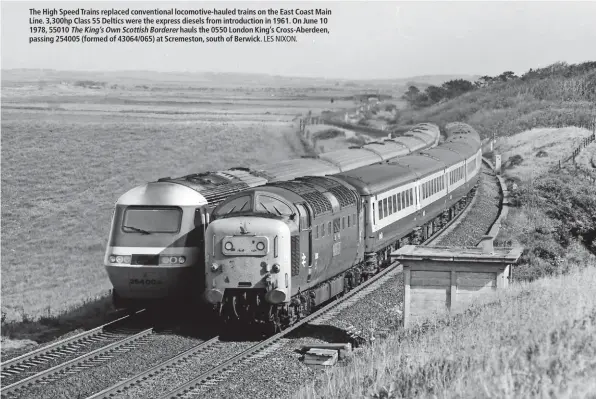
[[20, 370], [221, 371], [54, 361]]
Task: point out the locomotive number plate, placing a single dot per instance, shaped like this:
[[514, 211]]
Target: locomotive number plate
[[145, 281]]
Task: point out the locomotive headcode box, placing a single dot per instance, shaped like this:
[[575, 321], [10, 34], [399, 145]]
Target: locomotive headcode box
[[448, 279]]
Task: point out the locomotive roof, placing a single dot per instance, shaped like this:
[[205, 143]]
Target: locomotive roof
[[156, 194], [293, 168], [214, 186], [316, 191]]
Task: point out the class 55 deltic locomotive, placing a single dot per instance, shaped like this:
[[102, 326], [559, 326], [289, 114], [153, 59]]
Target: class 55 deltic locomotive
[[276, 252]]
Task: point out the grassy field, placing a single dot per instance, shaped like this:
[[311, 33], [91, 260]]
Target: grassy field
[[538, 150], [69, 150]]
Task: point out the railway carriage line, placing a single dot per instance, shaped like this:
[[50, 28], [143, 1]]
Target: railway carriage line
[[221, 371]]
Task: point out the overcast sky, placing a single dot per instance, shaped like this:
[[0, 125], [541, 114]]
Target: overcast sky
[[388, 39]]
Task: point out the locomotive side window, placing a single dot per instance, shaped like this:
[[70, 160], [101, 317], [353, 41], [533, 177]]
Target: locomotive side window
[[146, 220], [304, 217]]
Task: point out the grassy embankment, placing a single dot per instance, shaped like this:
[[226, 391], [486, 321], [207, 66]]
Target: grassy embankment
[[535, 339]]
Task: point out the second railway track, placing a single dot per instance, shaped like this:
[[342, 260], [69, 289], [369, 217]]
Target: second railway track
[[196, 369], [226, 366]]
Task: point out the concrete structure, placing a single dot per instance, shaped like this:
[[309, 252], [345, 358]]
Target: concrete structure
[[498, 164], [439, 279]]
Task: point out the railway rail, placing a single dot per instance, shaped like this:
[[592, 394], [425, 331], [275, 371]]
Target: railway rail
[[218, 373], [17, 369], [37, 367]]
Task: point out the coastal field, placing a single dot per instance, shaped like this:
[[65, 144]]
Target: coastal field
[[72, 145]]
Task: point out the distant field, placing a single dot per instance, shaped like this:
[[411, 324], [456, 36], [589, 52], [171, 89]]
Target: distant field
[[68, 153]]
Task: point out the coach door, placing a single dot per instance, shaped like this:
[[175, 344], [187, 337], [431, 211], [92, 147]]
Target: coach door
[[305, 238]]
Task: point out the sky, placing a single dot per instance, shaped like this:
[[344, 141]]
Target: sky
[[367, 40]]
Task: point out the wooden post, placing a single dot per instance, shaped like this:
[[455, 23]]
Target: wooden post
[[406, 310], [452, 290]]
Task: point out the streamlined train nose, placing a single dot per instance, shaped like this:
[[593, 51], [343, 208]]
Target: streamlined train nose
[[248, 254]]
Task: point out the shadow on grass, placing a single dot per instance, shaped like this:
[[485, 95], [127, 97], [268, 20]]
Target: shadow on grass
[[90, 314]]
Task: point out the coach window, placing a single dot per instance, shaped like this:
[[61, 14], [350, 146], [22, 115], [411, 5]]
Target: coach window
[[391, 205], [395, 201], [385, 207]]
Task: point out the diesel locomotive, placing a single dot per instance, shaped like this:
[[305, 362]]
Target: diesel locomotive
[[155, 250], [274, 253]]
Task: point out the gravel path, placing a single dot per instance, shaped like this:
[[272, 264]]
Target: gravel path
[[282, 373]]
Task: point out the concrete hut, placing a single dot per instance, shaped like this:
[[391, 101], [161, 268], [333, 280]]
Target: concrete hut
[[437, 279]]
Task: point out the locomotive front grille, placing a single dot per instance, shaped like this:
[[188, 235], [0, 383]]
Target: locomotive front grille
[[295, 255]]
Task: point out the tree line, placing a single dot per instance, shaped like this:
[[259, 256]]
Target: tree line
[[454, 88]]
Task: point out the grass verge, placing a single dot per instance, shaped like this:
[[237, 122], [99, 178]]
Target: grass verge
[[533, 340]]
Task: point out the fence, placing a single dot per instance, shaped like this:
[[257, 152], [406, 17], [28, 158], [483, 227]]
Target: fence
[[584, 143]]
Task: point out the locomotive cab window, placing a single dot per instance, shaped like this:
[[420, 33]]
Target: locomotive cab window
[[274, 206], [146, 220], [241, 204]]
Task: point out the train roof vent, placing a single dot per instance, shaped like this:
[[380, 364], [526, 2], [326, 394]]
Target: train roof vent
[[218, 194], [207, 178], [240, 168], [164, 178], [345, 196], [319, 203]]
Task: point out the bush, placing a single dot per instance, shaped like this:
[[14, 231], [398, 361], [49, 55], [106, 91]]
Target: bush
[[556, 223]]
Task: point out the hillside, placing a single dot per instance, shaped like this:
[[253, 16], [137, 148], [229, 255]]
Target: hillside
[[536, 338], [555, 96]]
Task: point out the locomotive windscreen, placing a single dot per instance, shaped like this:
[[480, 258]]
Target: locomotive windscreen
[[152, 220]]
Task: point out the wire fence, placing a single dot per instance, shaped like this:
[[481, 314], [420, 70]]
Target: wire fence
[[584, 143]]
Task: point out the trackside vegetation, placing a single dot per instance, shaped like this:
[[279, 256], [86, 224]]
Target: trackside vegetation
[[535, 339]]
